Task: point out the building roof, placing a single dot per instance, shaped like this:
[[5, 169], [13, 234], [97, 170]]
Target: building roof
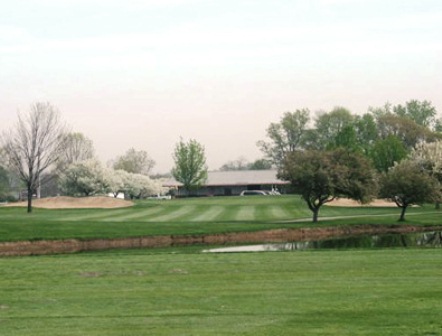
[[236, 178]]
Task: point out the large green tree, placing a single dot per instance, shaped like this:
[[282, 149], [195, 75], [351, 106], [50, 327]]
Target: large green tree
[[386, 152], [366, 131], [286, 135], [421, 112], [405, 129], [408, 183], [190, 164], [321, 176], [330, 125]]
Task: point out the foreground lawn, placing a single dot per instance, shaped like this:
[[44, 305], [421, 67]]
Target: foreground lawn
[[355, 292], [191, 216]]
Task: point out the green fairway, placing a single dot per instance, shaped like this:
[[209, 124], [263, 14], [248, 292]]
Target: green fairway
[[380, 292], [190, 216]]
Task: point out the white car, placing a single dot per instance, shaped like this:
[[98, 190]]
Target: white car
[[253, 193]]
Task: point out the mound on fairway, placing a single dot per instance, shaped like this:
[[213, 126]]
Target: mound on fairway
[[64, 202], [345, 202]]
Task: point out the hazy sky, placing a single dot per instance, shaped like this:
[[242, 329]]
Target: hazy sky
[[143, 73]]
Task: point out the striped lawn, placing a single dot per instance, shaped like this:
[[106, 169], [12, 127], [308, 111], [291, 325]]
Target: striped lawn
[[191, 216], [189, 213]]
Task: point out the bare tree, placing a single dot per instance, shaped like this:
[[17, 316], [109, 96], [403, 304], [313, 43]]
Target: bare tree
[[135, 162], [76, 148], [34, 144]]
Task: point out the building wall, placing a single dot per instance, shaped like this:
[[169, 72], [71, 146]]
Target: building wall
[[226, 190]]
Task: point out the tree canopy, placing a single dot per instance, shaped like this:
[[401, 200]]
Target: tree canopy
[[408, 183], [321, 176], [286, 135], [190, 164], [135, 162], [34, 145], [84, 178], [76, 147], [242, 164]]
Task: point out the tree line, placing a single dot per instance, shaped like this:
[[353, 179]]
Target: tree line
[[393, 152], [41, 150]]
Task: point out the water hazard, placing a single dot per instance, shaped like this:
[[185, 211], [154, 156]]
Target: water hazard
[[422, 239]]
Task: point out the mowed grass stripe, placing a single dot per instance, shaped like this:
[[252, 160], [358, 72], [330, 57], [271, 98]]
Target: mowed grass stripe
[[246, 213], [210, 214], [279, 212], [136, 215], [103, 213], [174, 214]]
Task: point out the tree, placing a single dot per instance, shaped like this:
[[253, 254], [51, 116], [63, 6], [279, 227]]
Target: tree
[[190, 164], [238, 164], [405, 129], [4, 184], [260, 164], [140, 186], [320, 177], [422, 113], [346, 139], [330, 125], [386, 152], [76, 148], [242, 164], [429, 156], [366, 131], [286, 136], [116, 181], [34, 145], [84, 178], [135, 162], [407, 183]]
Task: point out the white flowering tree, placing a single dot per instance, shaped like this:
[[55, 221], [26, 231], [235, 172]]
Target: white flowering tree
[[85, 178], [116, 181], [429, 156], [140, 186]]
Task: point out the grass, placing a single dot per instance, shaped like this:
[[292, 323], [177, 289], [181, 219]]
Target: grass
[[190, 216], [355, 292]]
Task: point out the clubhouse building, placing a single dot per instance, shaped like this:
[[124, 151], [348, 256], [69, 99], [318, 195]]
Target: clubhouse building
[[231, 183]]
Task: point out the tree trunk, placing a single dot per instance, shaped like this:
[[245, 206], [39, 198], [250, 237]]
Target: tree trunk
[[29, 199], [315, 215], [402, 217]]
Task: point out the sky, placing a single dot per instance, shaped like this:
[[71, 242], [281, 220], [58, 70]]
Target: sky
[[143, 73]]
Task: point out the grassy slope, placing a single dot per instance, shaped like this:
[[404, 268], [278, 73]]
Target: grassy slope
[[187, 216], [380, 292]]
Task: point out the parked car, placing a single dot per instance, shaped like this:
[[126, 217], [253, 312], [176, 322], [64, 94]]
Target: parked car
[[253, 193]]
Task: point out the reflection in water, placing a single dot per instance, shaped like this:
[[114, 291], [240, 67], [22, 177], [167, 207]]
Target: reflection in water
[[423, 239]]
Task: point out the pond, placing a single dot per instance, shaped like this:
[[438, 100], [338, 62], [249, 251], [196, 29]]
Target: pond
[[422, 239]]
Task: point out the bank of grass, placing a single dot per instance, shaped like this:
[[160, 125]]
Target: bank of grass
[[195, 216], [356, 292]]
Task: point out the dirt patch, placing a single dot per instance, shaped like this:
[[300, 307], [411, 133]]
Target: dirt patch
[[268, 236], [345, 202], [65, 202]]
